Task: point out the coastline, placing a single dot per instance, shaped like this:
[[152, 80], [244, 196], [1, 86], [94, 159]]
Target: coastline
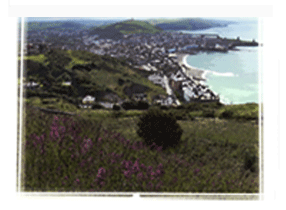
[[195, 73]]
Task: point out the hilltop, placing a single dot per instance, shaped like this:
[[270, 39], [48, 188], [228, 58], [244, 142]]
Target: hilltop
[[187, 23], [54, 25], [117, 30]]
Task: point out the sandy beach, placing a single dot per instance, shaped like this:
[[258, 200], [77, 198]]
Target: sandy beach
[[190, 71]]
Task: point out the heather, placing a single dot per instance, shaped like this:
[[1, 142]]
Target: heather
[[104, 154]]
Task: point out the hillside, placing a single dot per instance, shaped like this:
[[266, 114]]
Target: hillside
[[187, 23], [56, 25], [104, 77], [35, 24], [118, 27], [117, 30]]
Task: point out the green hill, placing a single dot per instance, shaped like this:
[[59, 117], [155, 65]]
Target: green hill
[[117, 30], [56, 25], [89, 74], [186, 23]]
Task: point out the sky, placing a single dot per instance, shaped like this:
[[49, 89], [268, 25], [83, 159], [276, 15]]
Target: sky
[[122, 18]]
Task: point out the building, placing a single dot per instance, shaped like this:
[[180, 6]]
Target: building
[[88, 99]]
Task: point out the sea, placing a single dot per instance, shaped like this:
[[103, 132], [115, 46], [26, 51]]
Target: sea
[[233, 75]]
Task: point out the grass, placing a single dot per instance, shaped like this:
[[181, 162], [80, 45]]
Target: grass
[[100, 150], [41, 58], [51, 103]]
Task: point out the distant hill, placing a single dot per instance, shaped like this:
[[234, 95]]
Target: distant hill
[[57, 25], [33, 24], [187, 23], [117, 30]]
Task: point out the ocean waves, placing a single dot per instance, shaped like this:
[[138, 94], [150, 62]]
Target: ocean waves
[[223, 74]]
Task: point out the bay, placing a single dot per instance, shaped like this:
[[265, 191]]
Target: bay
[[232, 75]]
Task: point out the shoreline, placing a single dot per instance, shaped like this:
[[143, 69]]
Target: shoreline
[[195, 73]]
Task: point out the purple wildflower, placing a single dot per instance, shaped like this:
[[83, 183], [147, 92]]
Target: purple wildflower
[[127, 174], [87, 144], [196, 170], [135, 167], [101, 173], [158, 172], [101, 184], [153, 175], [143, 166], [140, 176], [149, 169], [62, 129], [150, 185], [159, 185], [123, 163]]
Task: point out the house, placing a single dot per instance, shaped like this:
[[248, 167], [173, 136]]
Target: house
[[176, 80], [88, 99], [31, 85], [139, 97], [192, 46], [67, 83]]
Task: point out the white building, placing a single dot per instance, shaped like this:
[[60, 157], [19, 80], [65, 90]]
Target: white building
[[88, 99]]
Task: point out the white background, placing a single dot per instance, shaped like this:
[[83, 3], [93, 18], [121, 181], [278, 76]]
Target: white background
[[273, 97]]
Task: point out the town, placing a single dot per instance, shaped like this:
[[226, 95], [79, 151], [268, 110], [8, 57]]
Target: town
[[160, 54]]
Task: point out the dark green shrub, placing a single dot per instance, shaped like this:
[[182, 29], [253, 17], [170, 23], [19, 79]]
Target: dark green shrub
[[116, 107], [129, 105], [97, 106], [162, 107], [142, 105], [250, 160], [160, 128], [227, 114], [209, 113]]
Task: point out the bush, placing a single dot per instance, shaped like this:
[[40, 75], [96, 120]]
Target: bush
[[142, 105], [129, 105], [163, 107], [97, 106], [116, 107], [156, 127], [227, 114], [250, 160], [209, 113]]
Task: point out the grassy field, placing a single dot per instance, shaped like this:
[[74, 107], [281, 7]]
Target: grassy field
[[100, 151]]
